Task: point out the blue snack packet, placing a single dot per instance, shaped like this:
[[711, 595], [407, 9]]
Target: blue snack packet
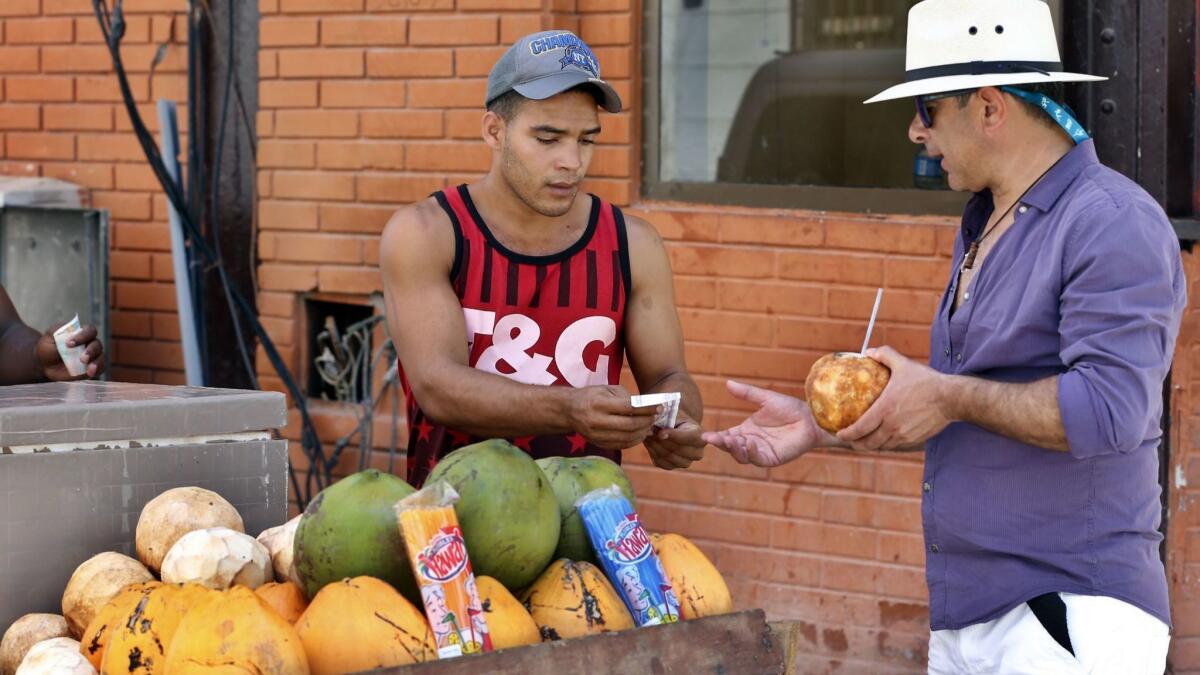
[[627, 556]]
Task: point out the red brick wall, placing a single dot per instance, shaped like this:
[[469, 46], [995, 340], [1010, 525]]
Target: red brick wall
[[61, 117], [369, 104]]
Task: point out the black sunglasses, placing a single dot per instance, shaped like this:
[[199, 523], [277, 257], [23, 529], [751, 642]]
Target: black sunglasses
[[923, 108]]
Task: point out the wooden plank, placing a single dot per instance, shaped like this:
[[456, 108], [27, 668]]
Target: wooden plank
[[787, 635], [732, 644]]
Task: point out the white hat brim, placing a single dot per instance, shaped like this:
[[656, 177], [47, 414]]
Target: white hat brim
[[940, 85]]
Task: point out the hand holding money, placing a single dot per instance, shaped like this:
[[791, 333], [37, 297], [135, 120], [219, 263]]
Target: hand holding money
[[70, 352]]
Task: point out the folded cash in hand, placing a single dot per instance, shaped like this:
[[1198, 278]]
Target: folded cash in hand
[[70, 355]]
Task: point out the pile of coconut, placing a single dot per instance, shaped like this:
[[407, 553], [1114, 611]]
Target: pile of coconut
[[184, 535]]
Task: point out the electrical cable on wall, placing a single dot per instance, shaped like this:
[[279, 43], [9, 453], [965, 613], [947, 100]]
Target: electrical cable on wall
[[112, 26]]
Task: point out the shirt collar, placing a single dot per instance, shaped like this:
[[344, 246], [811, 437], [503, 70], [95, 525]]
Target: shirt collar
[[1045, 194]]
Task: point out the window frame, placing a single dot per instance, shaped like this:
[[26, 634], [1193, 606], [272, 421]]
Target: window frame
[[903, 201]]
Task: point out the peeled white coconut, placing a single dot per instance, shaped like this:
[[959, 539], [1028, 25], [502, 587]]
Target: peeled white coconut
[[58, 656], [94, 583], [280, 542], [217, 558], [26, 632], [176, 512]]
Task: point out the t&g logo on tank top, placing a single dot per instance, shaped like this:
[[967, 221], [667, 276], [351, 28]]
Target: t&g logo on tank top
[[513, 339]]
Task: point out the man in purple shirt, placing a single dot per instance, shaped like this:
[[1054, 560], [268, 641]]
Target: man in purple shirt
[[1040, 410]]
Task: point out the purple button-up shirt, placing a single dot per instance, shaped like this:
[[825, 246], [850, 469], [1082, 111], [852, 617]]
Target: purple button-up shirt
[[1086, 285]]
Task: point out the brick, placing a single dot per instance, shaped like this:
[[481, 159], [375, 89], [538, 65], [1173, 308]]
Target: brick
[[124, 205], [693, 292], [453, 30], [129, 265], [726, 262], [843, 575], [281, 277], [365, 30], [449, 156], [738, 361], [615, 62], [903, 582], [401, 123], [150, 354], [380, 155], [142, 236], [360, 280], [135, 6], [40, 88], [772, 566], [831, 268], [606, 29], [19, 59], [363, 94], [396, 188], [79, 117], [316, 123], [464, 124], [76, 59], [40, 146], [910, 341], [370, 252], [832, 470], [43, 31], [707, 523], [904, 549], [408, 5], [18, 116], [173, 87], [279, 31], [803, 535], [105, 88], [94, 176], [354, 218], [615, 129], [905, 306], [726, 328], [516, 26], [319, 6], [830, 336], [742, 229], [508, 5], [284, 215], [131, 324], [917, 273], [287, 93], [19, 8], [268, 63], [277, 304], [772, 298], [166, 327], [136, 177], [278, 154], [900, 478], [611, 161], [409, 63], [263, 183], [881, 236], [770, 498], [588, 6], [110, 147], [447, 94], [476, 61], [297, 247], [324, 62], [141, 295], [163, 267], [684, 487], [313, 185]]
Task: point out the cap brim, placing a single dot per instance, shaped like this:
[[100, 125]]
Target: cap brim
[[940, 85], [557, 83]]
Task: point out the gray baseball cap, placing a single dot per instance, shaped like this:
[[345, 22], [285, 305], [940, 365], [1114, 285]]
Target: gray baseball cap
[[545, 64]]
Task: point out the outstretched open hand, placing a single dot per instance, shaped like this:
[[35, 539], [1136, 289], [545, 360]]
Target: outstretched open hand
[[780, 430]]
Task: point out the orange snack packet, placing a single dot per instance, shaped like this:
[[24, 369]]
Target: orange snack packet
[[438, 555]]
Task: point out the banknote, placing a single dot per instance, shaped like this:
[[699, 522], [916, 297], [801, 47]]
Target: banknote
[[70, 355]]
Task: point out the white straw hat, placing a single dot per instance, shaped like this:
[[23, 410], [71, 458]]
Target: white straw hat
[[967, 44]]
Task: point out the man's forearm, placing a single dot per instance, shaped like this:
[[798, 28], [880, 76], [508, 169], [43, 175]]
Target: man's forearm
[[1027, 412], [492, 406], [18, 355], [690, 402]]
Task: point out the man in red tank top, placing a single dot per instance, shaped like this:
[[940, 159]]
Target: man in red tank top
[[513, 300]]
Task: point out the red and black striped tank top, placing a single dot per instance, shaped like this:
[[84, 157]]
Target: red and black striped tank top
[[554, 320]]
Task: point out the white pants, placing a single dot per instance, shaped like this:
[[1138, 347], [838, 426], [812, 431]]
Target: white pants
[[1107, 635]]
